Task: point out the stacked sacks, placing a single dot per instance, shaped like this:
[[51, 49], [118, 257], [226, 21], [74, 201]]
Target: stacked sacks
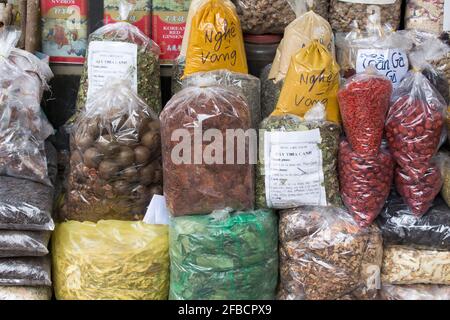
[[28, 172]]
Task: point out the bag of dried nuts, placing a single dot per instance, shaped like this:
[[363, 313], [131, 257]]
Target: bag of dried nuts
[[325, 255], [344, 12], [268, 16], [203, 171], [115, 164], [365, 182]]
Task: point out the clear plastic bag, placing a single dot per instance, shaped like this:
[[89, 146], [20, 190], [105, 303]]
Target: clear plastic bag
[[25, 271], [415, 124], [268, 16], [419, 192], [415, 292], [224, 255], [270, 92], [401, 227], [364, 102], [406, 265], [290, 181], [444, 160], [111, 260], [130, 53], [379, 47], [202, 182], [344, 12], [115, 165], [16, 293], [23, 243], [326, 256], [245, 84], [365, 182], [23, 125], [425, 15]]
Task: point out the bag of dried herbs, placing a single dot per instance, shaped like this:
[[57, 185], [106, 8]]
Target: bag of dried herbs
[[115, 164], [120, 50], [245, 84], [15, 293], [224, 255], [298, 161], [111, 260], [299, 34], [15, 243], [212, 40], [23, 126], [325, 255], [30, 271]]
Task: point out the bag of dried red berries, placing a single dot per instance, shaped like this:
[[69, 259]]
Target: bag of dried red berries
[[365, 182], [364, 103]]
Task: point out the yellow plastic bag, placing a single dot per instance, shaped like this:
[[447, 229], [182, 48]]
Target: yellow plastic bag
[[215, 39], [313, 77], [110, 260]]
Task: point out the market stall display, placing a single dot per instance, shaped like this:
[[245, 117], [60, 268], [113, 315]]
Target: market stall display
[[224, 255], [111, 260]]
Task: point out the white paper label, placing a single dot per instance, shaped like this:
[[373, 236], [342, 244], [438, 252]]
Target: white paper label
[[392, 63], [293, 169], [446, 26], [375, 2], [157, 212], [111, 60]]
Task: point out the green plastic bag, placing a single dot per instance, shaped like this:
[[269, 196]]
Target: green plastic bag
[[224, 255]]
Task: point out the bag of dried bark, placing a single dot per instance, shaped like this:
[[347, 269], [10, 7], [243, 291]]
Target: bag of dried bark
[[33, 271], [407, 265], [344, 12], [115, 165], [325, 255], [414, 292], [298, 161], [379, 47], [111, 260], [268, 16], [23, 243], [120, 50], [23, 125], [207, 177], [245, 84], [401, 227], [224, 255], [16, 293]]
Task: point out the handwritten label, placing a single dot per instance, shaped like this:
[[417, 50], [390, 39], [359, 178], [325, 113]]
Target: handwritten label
[[312, 82], [110, 60], [222, 49], [392, 63], [293, 168]]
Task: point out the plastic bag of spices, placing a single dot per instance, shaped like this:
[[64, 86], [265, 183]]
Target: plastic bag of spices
[[325, 255], [425, 15], [115, 164], [208, 176], [415, 124], [313, 77], [344, 12], [365, 182], [298, 161], [364, 102], [245, 84], [120, 50], [406, 265], [415, 292], [15, 293], [28, 271], [401, 227], [111, 260], [23, 243], [23, 125], [224, 255], [268, 16], [444, 160]]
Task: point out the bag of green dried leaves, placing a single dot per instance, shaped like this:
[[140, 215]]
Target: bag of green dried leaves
[[298, 161]]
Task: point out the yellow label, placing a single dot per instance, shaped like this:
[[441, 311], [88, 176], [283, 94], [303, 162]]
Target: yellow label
[[216, 40], [313, 77]]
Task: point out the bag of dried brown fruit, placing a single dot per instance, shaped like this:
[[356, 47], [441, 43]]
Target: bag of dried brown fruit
[[115, 164]]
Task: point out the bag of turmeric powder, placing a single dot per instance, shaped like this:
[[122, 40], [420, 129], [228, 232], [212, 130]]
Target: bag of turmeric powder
[[313, 77], [215, 39]]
